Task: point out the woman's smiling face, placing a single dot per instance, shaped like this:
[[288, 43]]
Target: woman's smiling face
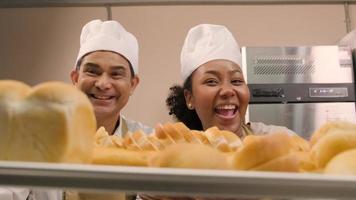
[[219, 95]]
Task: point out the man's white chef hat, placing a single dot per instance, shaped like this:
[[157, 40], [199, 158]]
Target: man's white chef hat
[[206, 42], [109, 36]]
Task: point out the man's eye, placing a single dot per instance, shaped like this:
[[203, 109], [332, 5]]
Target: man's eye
[[117, 74], [92, 72]]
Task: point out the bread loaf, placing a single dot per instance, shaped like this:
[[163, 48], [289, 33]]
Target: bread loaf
[[335, 142], [51, 122], [343, 163], [174, 145], [258, 150], [329, 128], [186, 155], [225, 141], [119, 156], [286, 163]]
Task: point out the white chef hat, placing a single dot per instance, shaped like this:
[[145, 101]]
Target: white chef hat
[[109, 36], [206, 42]]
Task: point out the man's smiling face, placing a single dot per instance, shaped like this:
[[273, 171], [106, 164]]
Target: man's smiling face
[[106, 78]]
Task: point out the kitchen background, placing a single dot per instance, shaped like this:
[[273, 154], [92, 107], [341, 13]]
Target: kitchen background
[[40, 39]]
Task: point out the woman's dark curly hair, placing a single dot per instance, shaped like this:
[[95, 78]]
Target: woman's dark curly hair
[[178, 107]]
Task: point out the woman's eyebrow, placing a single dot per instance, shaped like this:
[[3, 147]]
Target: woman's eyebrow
[[237, 71], [213, 72]]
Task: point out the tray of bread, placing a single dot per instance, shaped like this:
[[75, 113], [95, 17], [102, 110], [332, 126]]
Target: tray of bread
[[49, 139]]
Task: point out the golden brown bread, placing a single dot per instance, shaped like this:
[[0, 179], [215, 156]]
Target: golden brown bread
[[330, 127], [299, 143], [119, 156], [305, 162], [261, 149], [185, 155], [343, 163], [52, 121], [225, 141], [177, 146], [330, 145], [285, 163], [103, 139], [168, 134]]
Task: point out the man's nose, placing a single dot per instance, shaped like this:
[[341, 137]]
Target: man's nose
[[103, 82]]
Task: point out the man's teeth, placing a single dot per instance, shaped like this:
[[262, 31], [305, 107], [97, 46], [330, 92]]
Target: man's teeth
[[226, 107], [102, 97]]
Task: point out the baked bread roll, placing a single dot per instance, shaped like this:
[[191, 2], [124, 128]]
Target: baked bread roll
[[343, 163], [258, 150], [186, 155], [51, 122], [329, 128], [305, 162], [299, 143], [198, 137], [225, 141], [286, 163], [119, 156], [103, 139], [332, 144]]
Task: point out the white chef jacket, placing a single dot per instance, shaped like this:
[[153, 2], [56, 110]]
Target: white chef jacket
[[8, 193], [11, 193], [259, 128], [127, 125]]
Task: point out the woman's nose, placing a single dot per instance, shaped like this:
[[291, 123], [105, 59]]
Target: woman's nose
[[227, 90], [103, 82]]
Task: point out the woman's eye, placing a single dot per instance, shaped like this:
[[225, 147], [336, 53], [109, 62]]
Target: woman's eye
[[211, 82], [237, 82]]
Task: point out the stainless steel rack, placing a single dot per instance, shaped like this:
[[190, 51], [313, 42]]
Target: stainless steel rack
[[212, 183]]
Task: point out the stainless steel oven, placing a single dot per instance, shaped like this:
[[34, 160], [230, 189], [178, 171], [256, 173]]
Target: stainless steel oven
[[300, 87]]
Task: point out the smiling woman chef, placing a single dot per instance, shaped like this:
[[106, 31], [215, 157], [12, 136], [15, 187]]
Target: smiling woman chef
[[214, 92]]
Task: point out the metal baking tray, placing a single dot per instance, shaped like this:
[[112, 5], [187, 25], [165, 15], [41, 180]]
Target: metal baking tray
[[169, 181]]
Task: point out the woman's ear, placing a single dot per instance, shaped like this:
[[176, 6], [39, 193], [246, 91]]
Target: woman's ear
[[188, 99]]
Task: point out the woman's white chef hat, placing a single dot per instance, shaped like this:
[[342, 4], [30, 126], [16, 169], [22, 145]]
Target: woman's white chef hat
[[109, 36], [206, 42]]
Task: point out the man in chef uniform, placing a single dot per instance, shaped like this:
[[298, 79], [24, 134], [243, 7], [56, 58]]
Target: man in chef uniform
[[107, 72]]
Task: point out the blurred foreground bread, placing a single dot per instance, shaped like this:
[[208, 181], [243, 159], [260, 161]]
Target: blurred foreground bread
[[271, 152], [51, 122], [185, 155], [332, 139], [174, 145], [329, 128], [343, 163], [169, 141], [120, 156]]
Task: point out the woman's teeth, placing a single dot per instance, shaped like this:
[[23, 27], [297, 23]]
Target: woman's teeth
[[226, 110], [226, 107]]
